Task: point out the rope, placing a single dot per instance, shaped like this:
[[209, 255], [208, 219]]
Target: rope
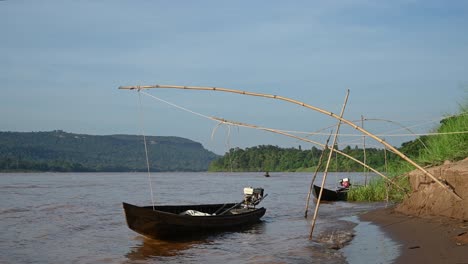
[[177, 106], [319, 133], [146, 148]]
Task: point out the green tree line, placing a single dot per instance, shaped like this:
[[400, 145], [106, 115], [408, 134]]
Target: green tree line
[[274, 158]]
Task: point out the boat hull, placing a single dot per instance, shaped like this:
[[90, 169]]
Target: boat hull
[[331, 195], [165, 222]]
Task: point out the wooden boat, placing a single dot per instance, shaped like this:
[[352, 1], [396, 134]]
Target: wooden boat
[[173, 222], [331, 195], [169, 222]]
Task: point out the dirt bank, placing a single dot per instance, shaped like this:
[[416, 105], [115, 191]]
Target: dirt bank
[[431, 224], [430, 199], [423, 240]]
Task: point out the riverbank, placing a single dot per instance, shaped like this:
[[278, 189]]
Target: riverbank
[[423, 240], [431, 224]]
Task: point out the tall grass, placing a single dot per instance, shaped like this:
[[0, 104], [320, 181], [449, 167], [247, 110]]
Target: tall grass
[[444, 146], [381, 190], [448, 146]]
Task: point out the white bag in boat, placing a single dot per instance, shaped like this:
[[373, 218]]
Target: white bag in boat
[[194, 213]]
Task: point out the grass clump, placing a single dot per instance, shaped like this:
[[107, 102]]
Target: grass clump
[[446, 146], [374, 191], [380, 189]]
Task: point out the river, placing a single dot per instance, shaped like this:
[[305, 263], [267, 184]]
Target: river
[[78, 218]]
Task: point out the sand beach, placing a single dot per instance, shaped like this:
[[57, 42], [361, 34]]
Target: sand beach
[[423, 239], [430, 225]]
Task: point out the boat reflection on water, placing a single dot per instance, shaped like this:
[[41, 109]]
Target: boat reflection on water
[[149, 248], [152, 248]]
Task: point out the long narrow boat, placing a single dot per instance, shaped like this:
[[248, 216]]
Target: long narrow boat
[[331, 195], [171, 222]]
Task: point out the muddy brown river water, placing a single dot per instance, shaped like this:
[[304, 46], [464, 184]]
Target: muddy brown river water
[[78, 218]]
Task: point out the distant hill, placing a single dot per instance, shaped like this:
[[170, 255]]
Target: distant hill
[[61, 151]]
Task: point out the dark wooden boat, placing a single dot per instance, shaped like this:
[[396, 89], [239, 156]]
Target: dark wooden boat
[[331, 195], [169, 223]]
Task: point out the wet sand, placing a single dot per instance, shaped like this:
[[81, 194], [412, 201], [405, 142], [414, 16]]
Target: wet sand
[[423, 240]]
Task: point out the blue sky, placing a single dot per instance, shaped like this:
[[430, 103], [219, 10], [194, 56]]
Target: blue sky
[[62, 61]]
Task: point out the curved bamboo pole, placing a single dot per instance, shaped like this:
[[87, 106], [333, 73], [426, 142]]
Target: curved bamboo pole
[[351, 124]]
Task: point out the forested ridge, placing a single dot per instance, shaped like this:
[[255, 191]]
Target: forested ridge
[[61, 151]]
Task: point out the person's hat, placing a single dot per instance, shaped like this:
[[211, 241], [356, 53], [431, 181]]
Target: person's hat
[[345, 179]]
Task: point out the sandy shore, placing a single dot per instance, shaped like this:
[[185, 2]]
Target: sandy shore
[[423, 240]]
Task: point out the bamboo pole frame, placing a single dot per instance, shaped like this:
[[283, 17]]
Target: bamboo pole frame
[[317, 109], [307, 140], [319, 198]]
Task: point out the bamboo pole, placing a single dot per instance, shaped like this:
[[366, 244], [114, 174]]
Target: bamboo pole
[[386, 170], [219, 89], [364, 149], [326, 168], [315, 176]]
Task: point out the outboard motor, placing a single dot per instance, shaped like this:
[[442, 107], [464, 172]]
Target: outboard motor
[[252, 196]]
